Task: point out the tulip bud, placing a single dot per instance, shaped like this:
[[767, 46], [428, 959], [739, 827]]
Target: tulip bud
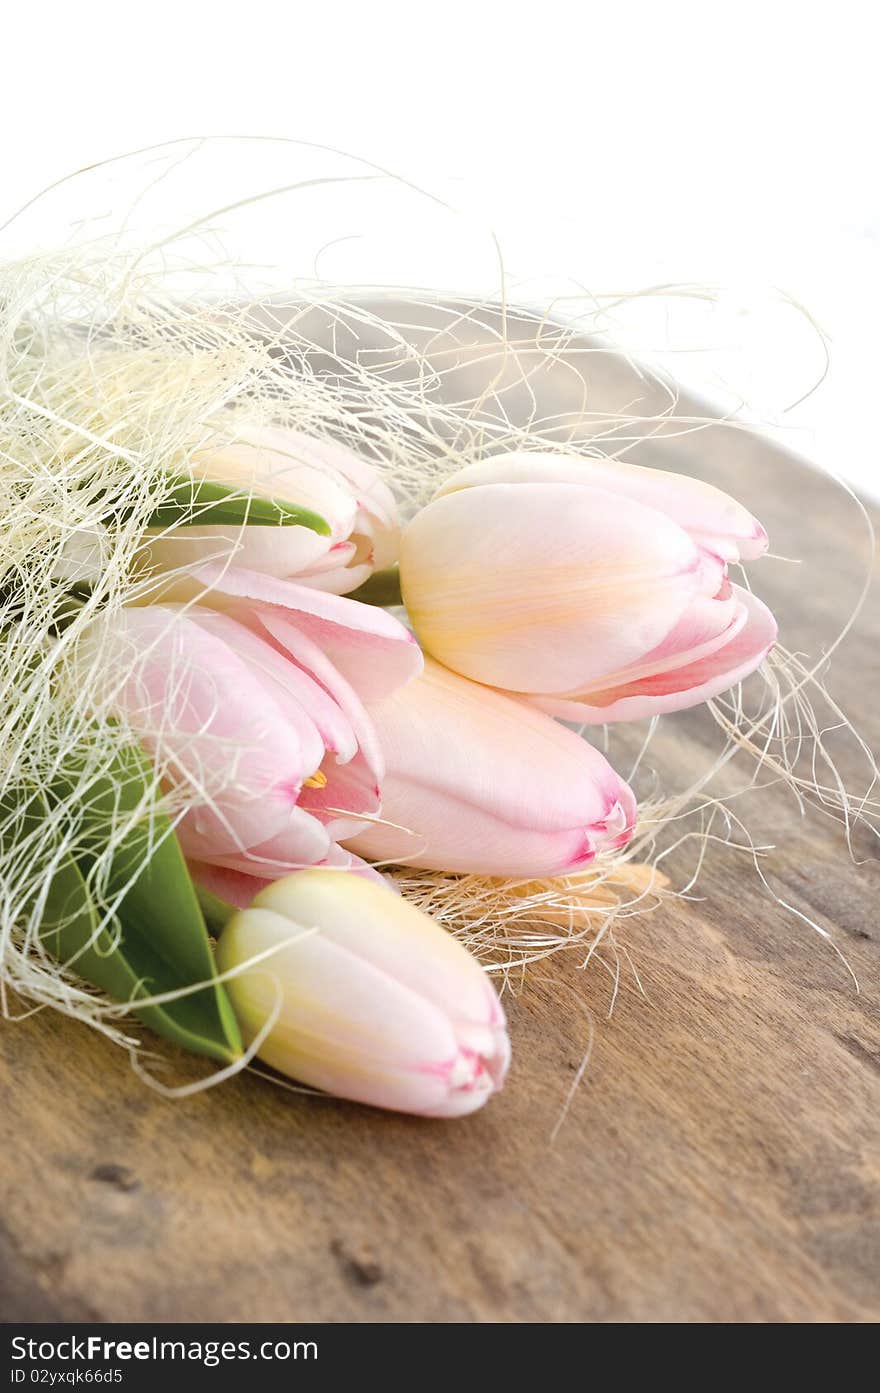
[[475, 781], [598, 591], [326, 478], [375, 1001]]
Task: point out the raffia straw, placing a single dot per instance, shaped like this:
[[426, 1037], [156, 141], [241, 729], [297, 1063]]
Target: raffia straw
[[511, 923]]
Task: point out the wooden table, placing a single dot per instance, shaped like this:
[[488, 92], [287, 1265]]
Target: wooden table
[[720, 1162]]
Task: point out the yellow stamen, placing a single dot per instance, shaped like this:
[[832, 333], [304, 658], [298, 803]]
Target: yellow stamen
[[317, 780]]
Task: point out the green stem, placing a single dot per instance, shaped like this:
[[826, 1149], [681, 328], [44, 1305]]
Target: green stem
[[383, 588], [217, 912]]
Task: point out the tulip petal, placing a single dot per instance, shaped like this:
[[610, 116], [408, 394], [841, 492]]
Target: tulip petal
[[339, 859], [308, 655], [204, 716], [677, 688], [309, 706], [311, 712], [303, 841], [472, 784], [239, 889], [277, 551], [446, 837], [368, 646], [234, 887], [352, 783], [376, 519], [708, 624], [714, 519], [371, 492], [487, 569], [396, 939]]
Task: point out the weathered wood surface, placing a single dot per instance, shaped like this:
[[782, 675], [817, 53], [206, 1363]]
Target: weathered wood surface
[[721, 1160]]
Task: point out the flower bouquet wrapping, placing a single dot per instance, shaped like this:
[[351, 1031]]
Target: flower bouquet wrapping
[[313, 661]]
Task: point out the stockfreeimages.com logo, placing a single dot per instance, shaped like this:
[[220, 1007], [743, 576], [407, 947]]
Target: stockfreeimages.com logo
[[94, 1349]]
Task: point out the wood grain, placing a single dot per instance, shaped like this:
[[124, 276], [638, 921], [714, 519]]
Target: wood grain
[[720, 1161]]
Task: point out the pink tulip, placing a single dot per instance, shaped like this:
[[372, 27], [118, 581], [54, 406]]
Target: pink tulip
[[327, 478], [478, 782], [255, 711], [240, 890], [596, 590], [372, 1000]]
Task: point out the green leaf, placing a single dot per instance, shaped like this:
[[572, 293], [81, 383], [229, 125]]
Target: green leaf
[[195, 502], [217, 912], [162, 943]]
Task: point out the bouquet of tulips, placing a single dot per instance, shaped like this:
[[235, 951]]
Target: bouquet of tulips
[[307, 691]]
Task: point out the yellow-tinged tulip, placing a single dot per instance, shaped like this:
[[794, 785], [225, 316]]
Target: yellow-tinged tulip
[[374, 1001], [595, 590]]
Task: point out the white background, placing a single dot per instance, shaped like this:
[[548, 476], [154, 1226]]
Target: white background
[[622, 145]]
